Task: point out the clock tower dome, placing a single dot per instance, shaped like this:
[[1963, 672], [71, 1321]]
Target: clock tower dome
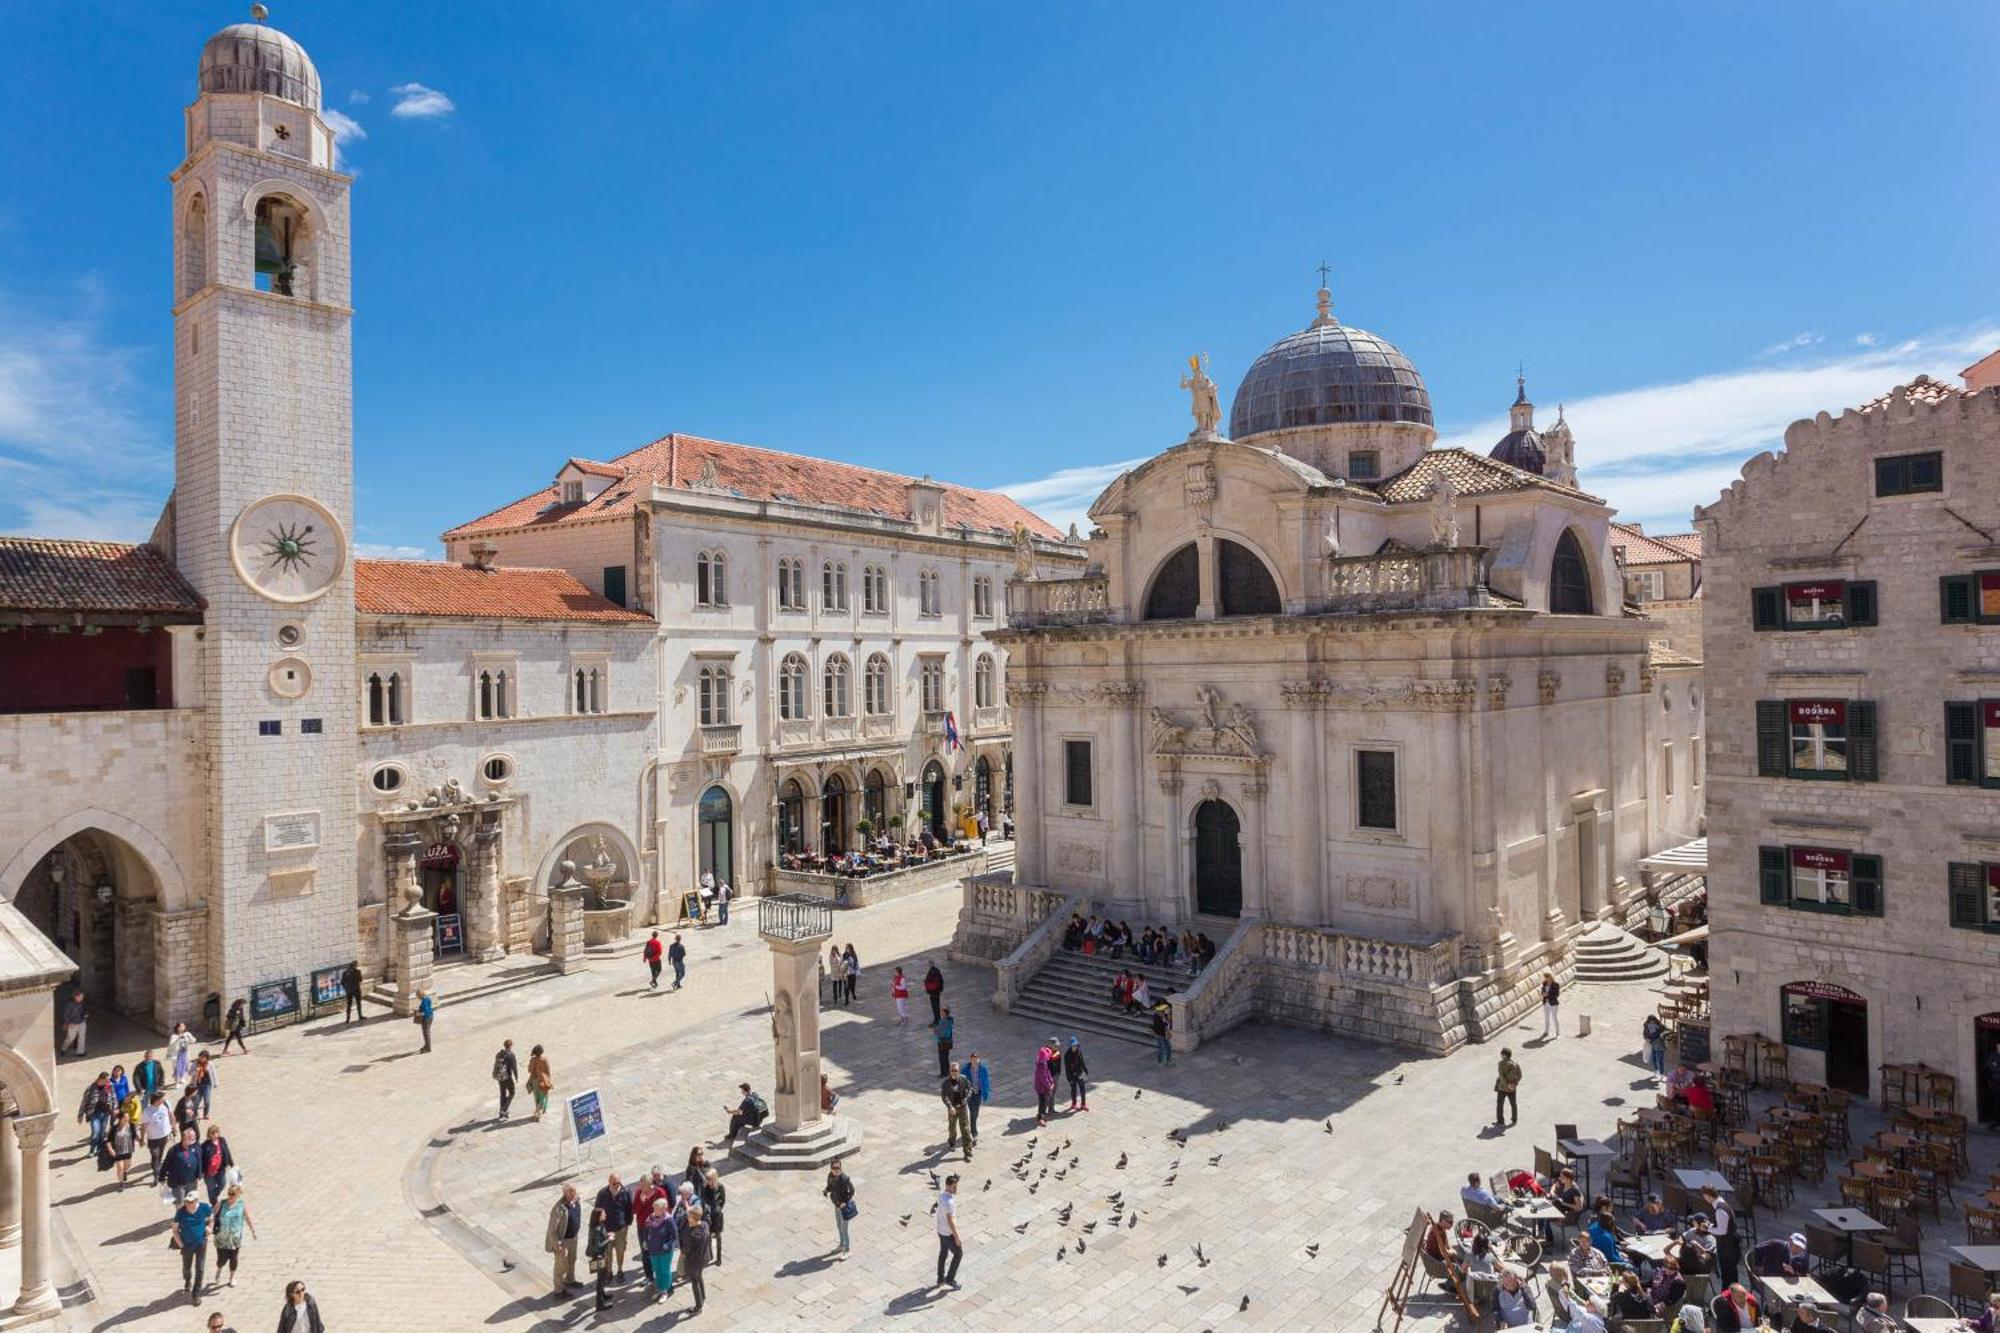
[[263, 507]]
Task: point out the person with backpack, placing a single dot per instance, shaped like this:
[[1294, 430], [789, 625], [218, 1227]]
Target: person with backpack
[[506, 1073], [425, 1015], [677, 954], [654, 953], [597, 1252], [934, 989], [1655, 1034], [745, 1115], [237, 1024], [945, 1028], [1045, 1087], [955, 1093], [541, 1079], [839, 1190], [613, 1208], [96, 1108], [1551, 1002], [1163, 1029]]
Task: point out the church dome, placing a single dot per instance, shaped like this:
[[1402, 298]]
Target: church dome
[[1328, 374], [254, 58]]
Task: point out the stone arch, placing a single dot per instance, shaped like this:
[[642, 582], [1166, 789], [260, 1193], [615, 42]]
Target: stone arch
[[24, 1084], [1215, 867], [549, 875], [1572, 581], [166, 871], [1174, 590], [1251, 589]]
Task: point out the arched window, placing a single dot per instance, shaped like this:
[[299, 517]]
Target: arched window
[[792, 817], [1176, 587], [875, 800], [839, 689], [378, 708], [1569, 578], [982, 681], [714, 696], [394, 686], [502, 707], [486, 694], [1242, 584], [930, 597], [791, 584], [711, 579], [874, 590], [194, 247], [931, 676], [875, 687], [833, 586], [283, 247], [792, 688]]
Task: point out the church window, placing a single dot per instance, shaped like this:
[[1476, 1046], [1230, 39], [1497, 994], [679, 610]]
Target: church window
[[711, 579], [486, 694], [792, 688], [833, 586], [839, 696], [1177, 587], [714, 696], [931, 677], [387, 696], [588, 681], [1364, 464], [1375, 789], [1569, 578], [875, 689], [378, 710], [874, 590], [982, 596], [1076, 773], [1243, 584], [982, 681]]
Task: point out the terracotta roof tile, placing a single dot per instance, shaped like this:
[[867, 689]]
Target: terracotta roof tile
[[595, 468], [688, 462], [1687, 543], [1472, 473], [436, 588], [1641, 549], [1922, 389], [46, 574]]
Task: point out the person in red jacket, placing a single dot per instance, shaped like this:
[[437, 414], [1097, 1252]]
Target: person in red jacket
[[654, 953], [899, 990]]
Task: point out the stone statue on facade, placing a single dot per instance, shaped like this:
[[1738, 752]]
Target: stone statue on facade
[[1207, 406], [1333, 533], [1024, 552], [1444, 512]]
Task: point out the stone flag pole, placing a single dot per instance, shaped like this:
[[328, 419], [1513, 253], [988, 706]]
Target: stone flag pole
[[798, 1135]]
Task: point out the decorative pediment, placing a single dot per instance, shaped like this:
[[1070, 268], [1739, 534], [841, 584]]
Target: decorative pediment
[[1449, 695], [1220, 730]]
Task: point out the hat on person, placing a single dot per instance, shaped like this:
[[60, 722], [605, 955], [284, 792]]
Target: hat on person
[[1798, 1240], [1653, 1198]]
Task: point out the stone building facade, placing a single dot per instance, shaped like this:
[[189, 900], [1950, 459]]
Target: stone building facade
[[1853, 610], [1373, 712]]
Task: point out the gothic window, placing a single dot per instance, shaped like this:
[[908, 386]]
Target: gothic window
[[874, 590], [839, 688], [833, 586], [194, 248], [396, 688], [930, 597], [486, 694], [932, 677], [378, 708], [714, 696], [1569, 578], [589, 692], [875, 691], [792, 688], [1243, 585], [1375, 788], [1177, 587], [502, 702], [711, 579], [982, 681], [982, 596], [791, 584]]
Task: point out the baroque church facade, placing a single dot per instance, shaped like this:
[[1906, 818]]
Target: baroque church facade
[[1377, 713]]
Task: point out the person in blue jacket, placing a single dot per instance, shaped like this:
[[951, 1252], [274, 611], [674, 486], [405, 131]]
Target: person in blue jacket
[[975, 1073]]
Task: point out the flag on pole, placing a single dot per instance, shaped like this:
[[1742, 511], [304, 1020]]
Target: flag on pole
[[951, 740]]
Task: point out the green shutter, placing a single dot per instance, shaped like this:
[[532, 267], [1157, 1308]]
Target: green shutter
[[1968, 895], [1961, 743], [1955, 598], [1866, 882], [1767, 608], [1861, 603], [1773, 746], [1863, 754], [1773, 880]]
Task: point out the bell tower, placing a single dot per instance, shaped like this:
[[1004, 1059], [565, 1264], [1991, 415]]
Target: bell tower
[[262, 511]]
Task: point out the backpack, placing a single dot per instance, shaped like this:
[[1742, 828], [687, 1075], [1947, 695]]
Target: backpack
[[759, 1109], [500, 1067]]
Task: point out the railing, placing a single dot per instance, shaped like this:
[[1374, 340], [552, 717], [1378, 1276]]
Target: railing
[[1441, 579], [721, 739], [1058, 601], [796, 731], [1202, 1010], [1363, 956], [794, 917], [1051, 913]]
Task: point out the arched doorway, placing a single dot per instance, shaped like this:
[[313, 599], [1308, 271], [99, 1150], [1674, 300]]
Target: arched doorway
[[1569, 578], [936, 806], [833, 815], [1986, 1045], [1218, 860], [982, 787], [791, 817], [875, 802], [90, 895], [715, 836]]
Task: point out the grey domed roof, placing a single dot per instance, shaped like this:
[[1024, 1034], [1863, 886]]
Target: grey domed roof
[[1328, 374], [254, 58], [1522, 449]]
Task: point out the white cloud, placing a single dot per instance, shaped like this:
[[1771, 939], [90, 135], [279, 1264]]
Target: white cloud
[[1866, 339], [359, 97], [51, 509], [1065, 497], [1797, 342], [385, 551], [416, 102], [346, 131]]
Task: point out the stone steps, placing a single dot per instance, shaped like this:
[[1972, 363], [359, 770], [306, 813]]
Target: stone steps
[[1072, 993], [470, 981], [806, 1149], [1609, 955]]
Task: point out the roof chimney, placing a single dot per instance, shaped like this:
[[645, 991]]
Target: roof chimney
[[483, 555]]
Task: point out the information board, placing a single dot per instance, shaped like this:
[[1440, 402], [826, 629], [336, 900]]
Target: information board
[[327, 991], [274, 1001], [450, 933], [586, 1116]]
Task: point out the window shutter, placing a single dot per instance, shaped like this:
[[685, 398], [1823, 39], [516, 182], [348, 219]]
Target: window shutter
[[1773, 748], [1771, 867], [1867, 884], [1767, 608], [1863, 754], [1861, 603], [1955, 598], [1968, 895], [1961, 743]]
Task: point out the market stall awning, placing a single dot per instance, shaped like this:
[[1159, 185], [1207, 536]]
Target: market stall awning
[[1690, 858]]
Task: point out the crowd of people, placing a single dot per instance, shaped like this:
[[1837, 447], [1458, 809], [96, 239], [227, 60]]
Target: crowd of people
[[1101, 936], [679, 1226], [878, 855]]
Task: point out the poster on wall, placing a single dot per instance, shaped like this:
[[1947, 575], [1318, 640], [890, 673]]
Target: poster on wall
[[274, 1001], [326, 988]]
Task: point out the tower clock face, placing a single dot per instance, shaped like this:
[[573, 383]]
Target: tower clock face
[[287, 547]]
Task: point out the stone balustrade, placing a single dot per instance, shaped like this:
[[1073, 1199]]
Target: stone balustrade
[[867, 890], [1079, 601], [1221, 994], [1439, 579], [1050, 913], [721, 739]]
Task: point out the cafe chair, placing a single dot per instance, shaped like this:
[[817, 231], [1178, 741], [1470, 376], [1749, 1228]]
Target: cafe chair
[[1622, 1182], [1545, 1164], [1700, 1290], [1856, 1193], [1982, 1225], [1927, 1307], [1968, 1289], [1905, 1244], [1565, 1132], [1825, 1248], [1871, 1258]]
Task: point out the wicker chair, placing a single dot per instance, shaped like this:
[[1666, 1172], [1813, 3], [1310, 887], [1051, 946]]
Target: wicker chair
[[1927, 1307], [1982, 1225], [1857, 1193], [1872, 1259], [1968, 1289]]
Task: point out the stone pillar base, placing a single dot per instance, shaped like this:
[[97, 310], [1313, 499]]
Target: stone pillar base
[[566, 928], [411, 957], [803, 1149]]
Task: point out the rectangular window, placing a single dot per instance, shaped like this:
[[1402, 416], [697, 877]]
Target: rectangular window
[[982, 597], [1694, 762], [270, 728], [1909, 474], [572, 493], [142, 687], [1649, 585], [1970, 598], [1825, 739], [1972, 743], [1667, 768], [1364, 464], [1975, 896], [1820, 879], [931, 679], [1076, 773], [614, 584], [1804, 1021], [1820, 604], [1375, 788]]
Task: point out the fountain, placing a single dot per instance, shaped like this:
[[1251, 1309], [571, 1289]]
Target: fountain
[[605, 920]]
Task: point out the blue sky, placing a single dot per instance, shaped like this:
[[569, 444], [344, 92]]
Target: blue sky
[[980, 240]]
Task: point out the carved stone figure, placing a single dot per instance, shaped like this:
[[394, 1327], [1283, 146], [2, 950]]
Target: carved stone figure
[[1207, 406], [1444, 512], [1024, 552], [784, 1039], [1333, 533], [1167, 733]]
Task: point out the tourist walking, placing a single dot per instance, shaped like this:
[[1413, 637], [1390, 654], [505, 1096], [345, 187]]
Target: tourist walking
[[839, 1190], [187, 1113], [945, 1027], [852, 970], [232, 1218], [95, 1109], [614, 1207], [540, 1079], [722, 897], [1078, 1074], [657, 1241], [834, 972], [124, 1140], [934, 988], [350, 987], [955, 1092], [677, 954], [201, 1083], [148, 1076], [1045, 1087], [899, 991], [76, 1019], [190, 1237], [156, 1122], [694, 1254], [713, 1196], [980, 1084], [1654, 1033], [301, 1312], [1163, 1032], [426, 1013], [182, 1170], [949, 1245], [697, 1167], [1551, 1006], [597, 1251], [1506, 1083], [218, 1164], [180, 1048], [560, 1240], [236, 1025], [506, 1073], [655, 953]]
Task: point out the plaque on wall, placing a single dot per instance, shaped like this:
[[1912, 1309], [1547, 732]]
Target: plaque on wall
[[294, 832]]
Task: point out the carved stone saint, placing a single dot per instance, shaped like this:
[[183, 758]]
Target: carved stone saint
[[1201, 389], [1024, 552], [784, 1037], [1444, 512], [1333, 534]]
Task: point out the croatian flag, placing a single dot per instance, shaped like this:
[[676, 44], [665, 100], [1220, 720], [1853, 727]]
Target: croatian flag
[[951, 732]]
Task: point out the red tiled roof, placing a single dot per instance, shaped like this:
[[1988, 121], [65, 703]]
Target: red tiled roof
[[1922, 389], [681, 462], [46, 574], [1472, 474], [435, 588], [1641, 549], [595, 468]]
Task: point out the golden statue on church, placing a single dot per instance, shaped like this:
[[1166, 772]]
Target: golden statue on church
[[1207, 406]]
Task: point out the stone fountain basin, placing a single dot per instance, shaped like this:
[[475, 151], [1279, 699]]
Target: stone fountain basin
[[607, 924]]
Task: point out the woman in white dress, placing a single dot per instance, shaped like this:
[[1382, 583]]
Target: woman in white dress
[[181, 1043]]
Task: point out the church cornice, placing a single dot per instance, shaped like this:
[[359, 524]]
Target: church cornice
[[212, 146]]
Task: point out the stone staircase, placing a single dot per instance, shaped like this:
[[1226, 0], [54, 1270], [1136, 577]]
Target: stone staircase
[[455, 983], [1606, 954], [1072, 993]]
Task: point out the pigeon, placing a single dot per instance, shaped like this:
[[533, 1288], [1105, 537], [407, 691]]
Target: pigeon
[[1021, 1230], [1054, 1153], [1137, 1093], [506, 1265], [1089, 1227], [1122, 1159], [1170, 1180], [1060, 1253], [1074, 1160], [1131, 1221], [1221, 1125], [1201, 1260], [1246, 1305], [933, 1210], [1312, 1251], [1115, 1198], [1065, 1146], [905, 1220], [1079, 1245], [1178, 1136], [1032, 1188], [1162, 1261], [1189, 1291], [1060, 1174], [1399, 1078], [935, 1182], [1329, 1127], [1215, 1160]]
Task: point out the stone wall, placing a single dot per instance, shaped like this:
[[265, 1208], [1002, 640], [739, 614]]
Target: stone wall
[[1677, 624], [180, 967]]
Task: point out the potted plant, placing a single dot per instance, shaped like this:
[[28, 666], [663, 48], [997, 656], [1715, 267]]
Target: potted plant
[[864, 826]]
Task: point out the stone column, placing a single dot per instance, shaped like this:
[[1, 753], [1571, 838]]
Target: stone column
[[38, 1291], [1257, 902], [1030, 865], [10, 1182], [795, 1033], [1211, 596], [566, 926], [180, 965], [1126, 737], [483, 923], [1312, 894], [412, 954], [1179, 888]]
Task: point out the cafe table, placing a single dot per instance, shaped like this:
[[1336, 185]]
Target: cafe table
[[1651, 1245], [1789, 1291], [1935, 1323], [1986, 1258], [1694, 1180], [1851, 1221], [1585, 1150], [1755, 1142]]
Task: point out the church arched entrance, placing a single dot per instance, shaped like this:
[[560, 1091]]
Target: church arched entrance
[[936, 804], [833, 815], [716, 836], [1218, 860], [91, 896]]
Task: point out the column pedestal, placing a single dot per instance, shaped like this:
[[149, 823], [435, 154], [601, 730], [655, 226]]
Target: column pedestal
[[412, 953], [10, 1184], [38, 1291], [566, 927], [797, 1136]]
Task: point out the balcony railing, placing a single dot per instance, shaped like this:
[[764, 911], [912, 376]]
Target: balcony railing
[[794, 917], [934, 721], [1436, 580], [1083, 601], [721, 739]]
